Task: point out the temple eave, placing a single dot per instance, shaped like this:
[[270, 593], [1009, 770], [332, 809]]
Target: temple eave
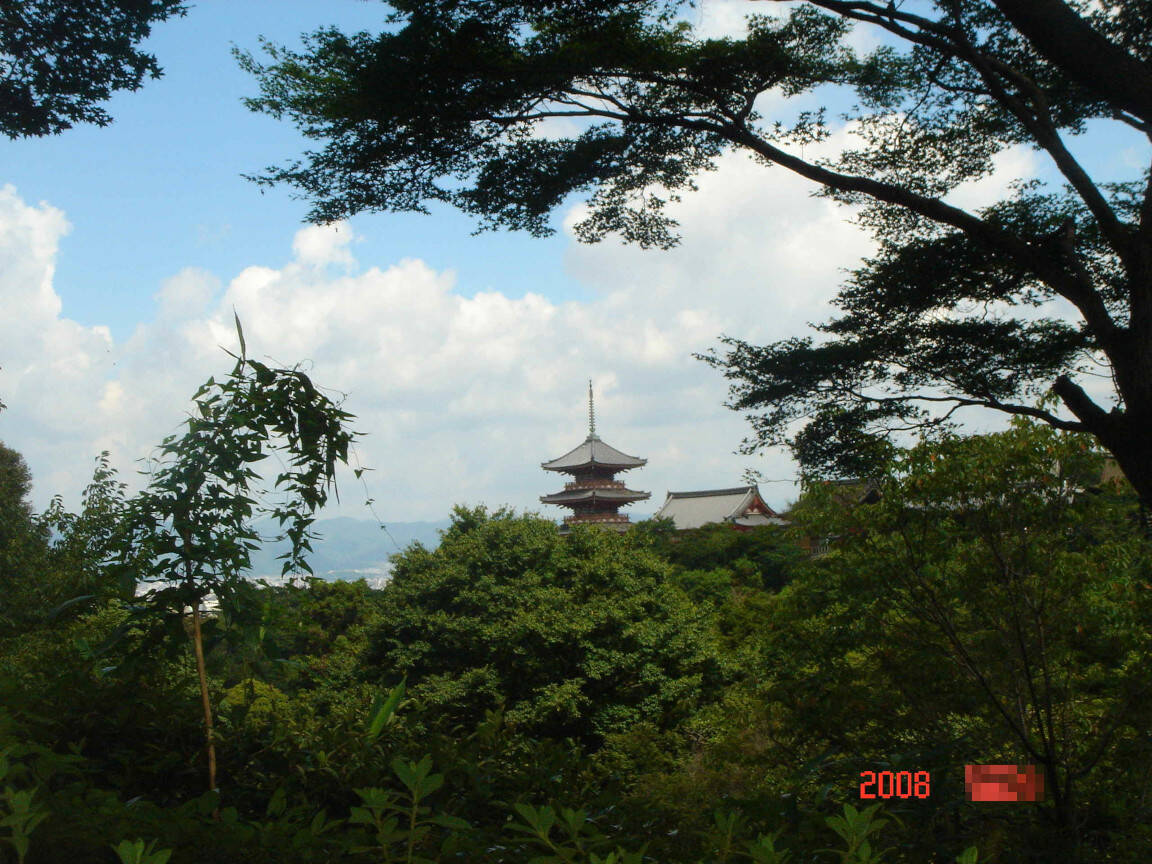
[[591, 466], [565, 498], [595, 496]]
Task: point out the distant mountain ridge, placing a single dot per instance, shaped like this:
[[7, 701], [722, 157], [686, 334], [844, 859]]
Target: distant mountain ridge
[[347, 548], [351, 549]]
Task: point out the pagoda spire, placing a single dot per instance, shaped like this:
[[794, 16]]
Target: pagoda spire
[[591, 413], [594, 495]]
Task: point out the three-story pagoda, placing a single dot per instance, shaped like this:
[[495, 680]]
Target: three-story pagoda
[[594, 496]]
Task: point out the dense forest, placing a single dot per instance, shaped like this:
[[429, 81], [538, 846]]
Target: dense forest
[[519, 695], [808, 694]]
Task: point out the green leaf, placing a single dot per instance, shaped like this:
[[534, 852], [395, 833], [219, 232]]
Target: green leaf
[[135, 852], [382, 710], [68, 604], [240, 333], [277, 803], [453, 822], [319, 823], [415, 775], [540, 821], [361, 816], [376, 798]]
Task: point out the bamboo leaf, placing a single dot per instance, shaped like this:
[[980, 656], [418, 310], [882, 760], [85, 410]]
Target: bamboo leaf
[[382, 711], [240, 333]]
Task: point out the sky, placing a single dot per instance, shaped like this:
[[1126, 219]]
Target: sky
[[124, 251]]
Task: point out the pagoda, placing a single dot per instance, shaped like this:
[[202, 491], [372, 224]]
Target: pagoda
[[595, 496]]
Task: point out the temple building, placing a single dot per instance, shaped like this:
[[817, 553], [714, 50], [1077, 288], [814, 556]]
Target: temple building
[[741, 507], [594, 496]]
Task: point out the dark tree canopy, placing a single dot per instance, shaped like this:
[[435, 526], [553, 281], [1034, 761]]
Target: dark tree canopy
[[59, 59], [16, 517], [446, 105], [23, 540], [581, 636]]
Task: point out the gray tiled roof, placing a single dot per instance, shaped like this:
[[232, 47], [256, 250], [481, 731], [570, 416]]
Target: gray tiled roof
[[693, 509], [593, 452], [574, 496]]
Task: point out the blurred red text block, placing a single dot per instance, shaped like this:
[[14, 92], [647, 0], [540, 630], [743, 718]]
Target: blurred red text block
[[1003, 783]]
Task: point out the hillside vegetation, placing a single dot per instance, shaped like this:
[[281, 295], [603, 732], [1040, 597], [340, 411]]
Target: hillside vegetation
[[516, 695]]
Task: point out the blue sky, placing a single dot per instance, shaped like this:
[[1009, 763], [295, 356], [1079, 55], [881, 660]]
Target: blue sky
[[162, 184], [124, 249]]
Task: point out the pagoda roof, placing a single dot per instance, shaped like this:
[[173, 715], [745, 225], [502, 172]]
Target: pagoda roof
[[577, 496], [694, 509], [593, 452]]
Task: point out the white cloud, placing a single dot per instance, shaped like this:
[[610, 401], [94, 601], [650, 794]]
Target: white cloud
[[728, 19], [186, 295], [462, 396], [1012, 164], [318, 245], [720, 19], [49, 366]]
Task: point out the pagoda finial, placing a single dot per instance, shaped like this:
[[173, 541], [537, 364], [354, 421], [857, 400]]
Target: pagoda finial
[[591, 413]]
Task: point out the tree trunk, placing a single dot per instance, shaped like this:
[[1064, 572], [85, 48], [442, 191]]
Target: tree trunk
[[198, 646], [1131, 443]]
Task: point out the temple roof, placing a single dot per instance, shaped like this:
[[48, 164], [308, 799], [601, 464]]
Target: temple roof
[[591, 453], [576, 496], [693, 509]]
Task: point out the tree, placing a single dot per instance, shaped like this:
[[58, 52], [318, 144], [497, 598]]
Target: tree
[[576, 637], [445, 105], [59, 59], [23, 542], [81, 558], [194, 522], [993, 604], [758, 558]]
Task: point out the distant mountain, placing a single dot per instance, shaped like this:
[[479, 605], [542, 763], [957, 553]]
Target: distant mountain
[[348, 548]]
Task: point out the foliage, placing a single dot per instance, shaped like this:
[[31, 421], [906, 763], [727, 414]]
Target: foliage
[[575, 636], [21, 813], [577, 839], [758, 558], [136, 852], [23, 542], [192, 527], [1000, 559], [953, 309], [988, 606], [403, 827], [81, 566], [62, 59], [196, 516], [855, 828]]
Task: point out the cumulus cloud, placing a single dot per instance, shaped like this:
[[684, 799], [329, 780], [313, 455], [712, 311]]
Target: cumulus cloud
[[49, 366], [319, 245], [463, 393], [720, 19], [728, 19], [1018, 161]]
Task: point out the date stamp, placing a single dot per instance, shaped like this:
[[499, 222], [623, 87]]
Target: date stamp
[[895, 784], [981, 783]]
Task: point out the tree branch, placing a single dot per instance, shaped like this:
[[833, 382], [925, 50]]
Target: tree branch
[[1064, 38], [952, 41], [1092, 416], [1082, 296], [1041, 127], [989, 402]]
